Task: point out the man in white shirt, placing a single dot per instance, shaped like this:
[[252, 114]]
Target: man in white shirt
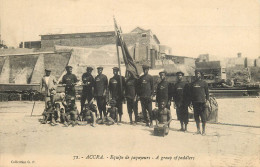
[[48, 86]]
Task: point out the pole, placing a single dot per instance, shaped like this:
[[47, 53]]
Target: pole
[[118, 58], [33, 108]]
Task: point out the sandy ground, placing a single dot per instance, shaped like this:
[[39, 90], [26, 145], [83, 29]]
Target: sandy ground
[[26, 142]]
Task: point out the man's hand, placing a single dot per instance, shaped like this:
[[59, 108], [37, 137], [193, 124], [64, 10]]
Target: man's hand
[[165, 125], [174, 106], [190, 106]]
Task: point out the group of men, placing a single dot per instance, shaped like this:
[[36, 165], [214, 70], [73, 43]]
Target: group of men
[[132, 89]]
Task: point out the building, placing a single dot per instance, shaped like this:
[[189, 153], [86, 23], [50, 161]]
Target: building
[[203, 58], [30, 44], [142, 44]]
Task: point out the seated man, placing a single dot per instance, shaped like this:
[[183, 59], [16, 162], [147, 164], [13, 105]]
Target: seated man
[[71, 112], [112, 117], [88, 115], [63, 117], [48, 114], [57, 112], [163, 117]]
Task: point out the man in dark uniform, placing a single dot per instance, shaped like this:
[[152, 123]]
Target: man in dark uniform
[[100, 91], [116, 91], [199, 98], [145, 92], [181, 100], [131, 96], [162, 92], [69, 80], [88, 87]]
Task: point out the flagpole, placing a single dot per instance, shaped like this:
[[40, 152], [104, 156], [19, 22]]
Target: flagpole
[[118, 58]]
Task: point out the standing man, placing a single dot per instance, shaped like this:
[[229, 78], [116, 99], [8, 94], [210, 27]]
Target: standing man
[[48, 86], [145, 92], [181, 100], [69, 80], [100, 91], [131, 96], [199, 98], [88, 87], [162, 92], [116, 91]]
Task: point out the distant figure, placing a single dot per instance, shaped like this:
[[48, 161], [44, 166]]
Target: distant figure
[[131, 97], [100, 91], [48, 86], [145, 92], [88, 87], [69, 80], [181, 99], [199, 97], [116, 91]]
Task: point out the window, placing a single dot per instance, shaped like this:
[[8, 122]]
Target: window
[[143, 34]]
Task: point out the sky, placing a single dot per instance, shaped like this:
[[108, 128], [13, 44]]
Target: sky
[[221, 28]]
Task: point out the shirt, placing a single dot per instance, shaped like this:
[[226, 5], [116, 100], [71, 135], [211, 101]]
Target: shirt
[[114, 87], [130, 88], [70, 80], [180, 93], [145, 86], [162, 91], [100, 84], [88, 81], [199, 91], [47, 79]]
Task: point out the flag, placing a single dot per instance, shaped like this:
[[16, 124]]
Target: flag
[[128, 60]]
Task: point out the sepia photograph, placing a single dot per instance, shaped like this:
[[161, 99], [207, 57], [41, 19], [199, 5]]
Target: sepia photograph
[[133, 83]]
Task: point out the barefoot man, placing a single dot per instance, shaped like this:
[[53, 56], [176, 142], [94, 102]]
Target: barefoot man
[[199, 98]]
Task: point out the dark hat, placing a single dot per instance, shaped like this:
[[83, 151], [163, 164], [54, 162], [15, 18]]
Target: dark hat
[[116, 68], [177, 73], [100, 67], [145, 66], [162, 72], [46, 69], [89, 68], [67, 67]]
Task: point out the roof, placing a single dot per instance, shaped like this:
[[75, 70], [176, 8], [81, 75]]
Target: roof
[[156, 39], [86, 33], [173, 56]]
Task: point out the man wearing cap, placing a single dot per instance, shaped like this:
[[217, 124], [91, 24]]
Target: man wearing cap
[[145, 92], [116, 91], [131, 96], [100, 91], [48, 86], [88, 87], [162, 92], [199, 97], [181, 100], [69, 80]]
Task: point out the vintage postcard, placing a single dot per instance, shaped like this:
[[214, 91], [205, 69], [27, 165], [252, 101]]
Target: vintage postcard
[[129, 83]]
